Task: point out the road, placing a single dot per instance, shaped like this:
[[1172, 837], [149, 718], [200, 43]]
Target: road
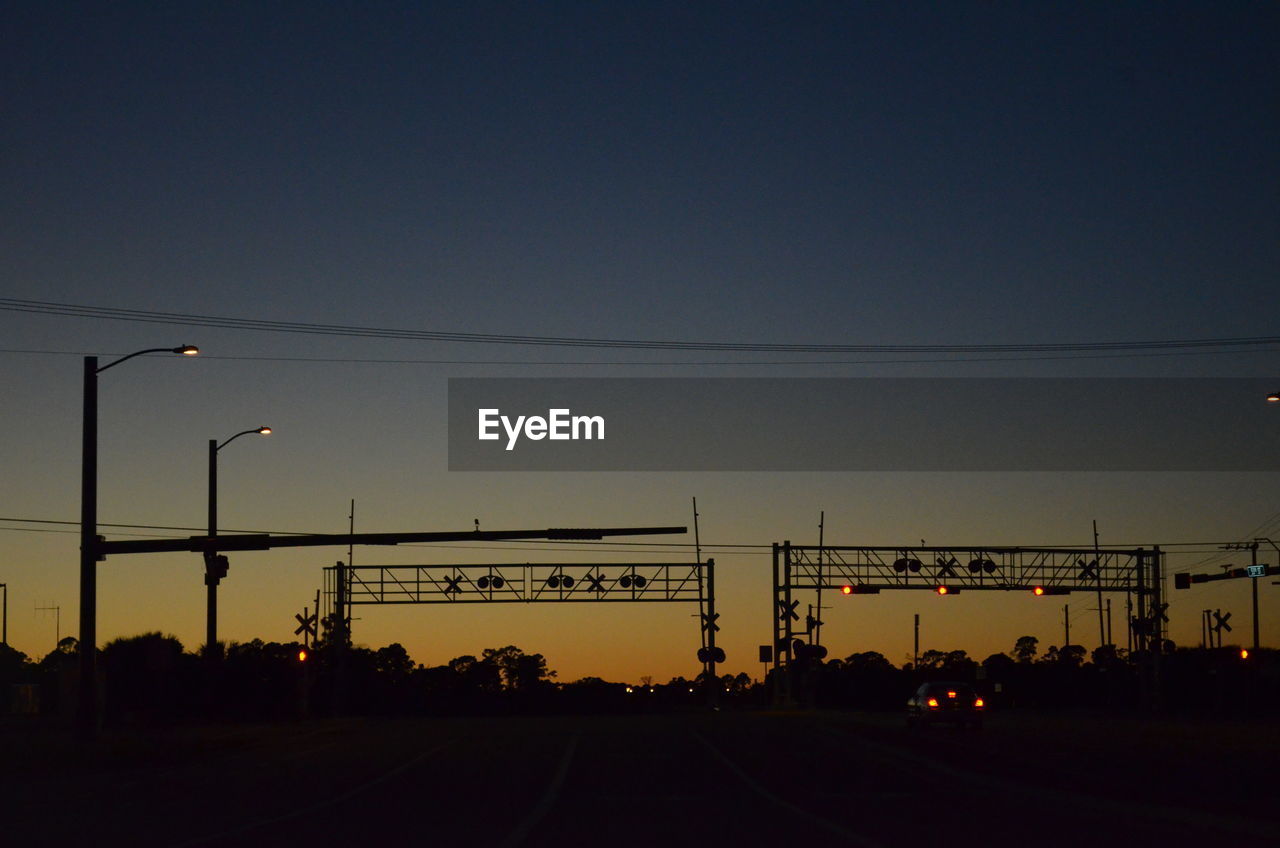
[[707, 779]]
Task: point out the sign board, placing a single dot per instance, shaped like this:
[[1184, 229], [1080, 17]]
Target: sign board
[[766, 653], [1255, 571]]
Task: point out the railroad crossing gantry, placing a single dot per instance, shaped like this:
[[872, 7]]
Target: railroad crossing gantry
[[870, 570], [527, 583]]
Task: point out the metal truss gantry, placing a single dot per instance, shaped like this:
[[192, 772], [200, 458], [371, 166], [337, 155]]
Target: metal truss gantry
[[528, 583], [870, 570]]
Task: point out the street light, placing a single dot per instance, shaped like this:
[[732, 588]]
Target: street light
[[1274, 397], [87, 704], [211, 576]]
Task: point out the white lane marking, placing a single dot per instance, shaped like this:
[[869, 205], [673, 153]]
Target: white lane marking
[[812, 818], [546, 802]]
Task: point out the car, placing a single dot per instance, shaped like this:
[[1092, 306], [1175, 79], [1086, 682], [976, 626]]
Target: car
[[945, 703]]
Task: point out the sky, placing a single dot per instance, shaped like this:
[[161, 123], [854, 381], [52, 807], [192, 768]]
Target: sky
[[834, 173]]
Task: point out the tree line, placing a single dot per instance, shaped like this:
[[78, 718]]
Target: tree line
[[151, 677]]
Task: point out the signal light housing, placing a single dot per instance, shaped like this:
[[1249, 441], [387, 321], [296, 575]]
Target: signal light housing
[[1049, 590], [946, 590], [859, 589]]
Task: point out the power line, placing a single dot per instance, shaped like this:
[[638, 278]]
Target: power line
[[197, 320], [685, 362]]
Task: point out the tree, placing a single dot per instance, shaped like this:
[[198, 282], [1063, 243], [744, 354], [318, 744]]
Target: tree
[[1024, 650], [520, 671], [393, 660]]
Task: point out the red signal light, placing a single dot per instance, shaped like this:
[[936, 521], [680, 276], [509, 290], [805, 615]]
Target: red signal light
[[846, 590], [1244, 653], [303, 655], [1037, 591], [979, 703], [942, 590], [933, 702]]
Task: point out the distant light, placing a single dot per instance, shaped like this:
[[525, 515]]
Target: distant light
[[1274, 397], [266, 431], [951, 693], [941, 590], [187, 350], [1037, 591], [302, 655], [1244, 653], [933, 702], [979, 703], [846, 590]]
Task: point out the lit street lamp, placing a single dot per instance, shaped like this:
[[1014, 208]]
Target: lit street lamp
[[213, 575], [87, 704], [1274, 397]]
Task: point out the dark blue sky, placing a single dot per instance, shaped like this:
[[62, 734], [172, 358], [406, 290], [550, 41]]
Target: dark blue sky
[[760, 172], [755, 171]]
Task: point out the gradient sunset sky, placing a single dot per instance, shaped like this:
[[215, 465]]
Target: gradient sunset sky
[[827, 173]]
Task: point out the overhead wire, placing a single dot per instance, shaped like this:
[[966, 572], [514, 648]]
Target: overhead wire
[[345, 330]]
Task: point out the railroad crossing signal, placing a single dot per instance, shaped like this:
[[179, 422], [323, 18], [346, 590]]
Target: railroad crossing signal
[[1221, 622], [788, 610], [306, 624], [709, 622]]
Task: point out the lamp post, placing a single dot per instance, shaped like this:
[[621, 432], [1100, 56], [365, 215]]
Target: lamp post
[[212, 576], [87, 703]]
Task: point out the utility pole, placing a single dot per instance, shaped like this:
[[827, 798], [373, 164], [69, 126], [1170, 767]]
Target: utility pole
[[1066, 625], [1109, 642]]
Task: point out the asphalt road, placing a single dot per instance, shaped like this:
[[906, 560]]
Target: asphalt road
[[784, 779]]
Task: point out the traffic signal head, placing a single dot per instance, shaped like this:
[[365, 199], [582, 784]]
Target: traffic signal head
[[846, 590], [859, 589], [946, 590], [1049, 590]]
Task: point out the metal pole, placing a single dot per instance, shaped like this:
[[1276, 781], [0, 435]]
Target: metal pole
[[1253, 550], [711, 632], [87, 703], [774, 612], [1102, 629], [1066, 625], [4, 628], [211, 579], [915, 650], [817, 627], [1109, 642]]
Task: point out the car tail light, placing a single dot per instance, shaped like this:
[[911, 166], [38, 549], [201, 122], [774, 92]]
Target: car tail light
[[933, 702], [951, 694], [978, 702]]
